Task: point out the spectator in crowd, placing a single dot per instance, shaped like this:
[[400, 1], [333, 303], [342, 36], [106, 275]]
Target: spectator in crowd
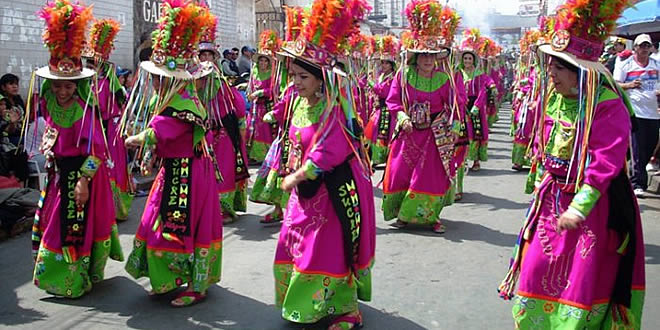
[[245, 61], [229, 67], [234, 54], [638, 75], [13, 163], [618, 47], [122, 75], [9, 89]]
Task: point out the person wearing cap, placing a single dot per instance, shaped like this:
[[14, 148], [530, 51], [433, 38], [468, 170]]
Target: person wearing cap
[[617, 48], [74, 232], [579, 259], [426, 99], [229, 67], [325, 251], [245, 61], [179, 239], [638, 75], [226, 118], [261, 93]]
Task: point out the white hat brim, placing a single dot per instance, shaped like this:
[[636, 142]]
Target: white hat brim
[[151, 67], [45, 72], [205, 70], [256, 56], [570, 58]]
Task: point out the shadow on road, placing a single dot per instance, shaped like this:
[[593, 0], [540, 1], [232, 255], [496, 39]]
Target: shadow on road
[[248, 228], [496, 202], [223, 309], [15, 271], [652, 254], [457, 232]]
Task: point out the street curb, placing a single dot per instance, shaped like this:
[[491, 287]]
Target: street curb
[[654, 186]]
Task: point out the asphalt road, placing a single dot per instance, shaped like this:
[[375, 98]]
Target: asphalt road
[[421, 279]]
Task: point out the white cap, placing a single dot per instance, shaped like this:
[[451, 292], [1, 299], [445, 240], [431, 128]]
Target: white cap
[[642, 38]]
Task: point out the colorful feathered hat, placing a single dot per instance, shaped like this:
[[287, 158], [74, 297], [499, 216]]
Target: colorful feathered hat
[[207, 42], [388, 48], [580, 31], [472, 41], [102, 38], [330, 22], [64, 36], [295, 17], [432, 27], [176, 39], [269, 44]]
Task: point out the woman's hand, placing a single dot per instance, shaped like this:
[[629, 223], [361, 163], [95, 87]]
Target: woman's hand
[[292, 180], [81, 191], [568, 221], [134, 141], [255, 95], [407, 126]]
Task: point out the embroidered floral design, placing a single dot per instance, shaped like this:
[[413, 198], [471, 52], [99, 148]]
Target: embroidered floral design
[[548, 307]]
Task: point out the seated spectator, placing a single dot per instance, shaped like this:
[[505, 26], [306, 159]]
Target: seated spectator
[[245, 62], [14, 102], [229, 67], [13, 164]]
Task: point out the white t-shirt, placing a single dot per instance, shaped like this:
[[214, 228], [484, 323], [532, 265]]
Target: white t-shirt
[[643, 99]]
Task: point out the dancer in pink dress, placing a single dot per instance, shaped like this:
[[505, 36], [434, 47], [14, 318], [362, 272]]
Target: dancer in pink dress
[[111, 102], [579, 259], [74, 231], [326, 247], [179, 239], [426, 99]]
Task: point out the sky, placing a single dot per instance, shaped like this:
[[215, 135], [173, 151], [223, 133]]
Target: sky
[[509, 7]]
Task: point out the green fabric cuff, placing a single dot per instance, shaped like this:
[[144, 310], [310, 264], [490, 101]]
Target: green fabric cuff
[[269, 118], [150, 137], [241, 123], [401, 117], [260, 93], [311, 170], [90, 166], [585, 200]]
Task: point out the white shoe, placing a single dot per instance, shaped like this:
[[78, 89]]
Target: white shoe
[[652, 167], [639, 192]]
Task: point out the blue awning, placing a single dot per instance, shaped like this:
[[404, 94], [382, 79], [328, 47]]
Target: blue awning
[[643, 18]]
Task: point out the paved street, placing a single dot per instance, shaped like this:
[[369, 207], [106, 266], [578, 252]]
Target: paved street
[[421, 279]]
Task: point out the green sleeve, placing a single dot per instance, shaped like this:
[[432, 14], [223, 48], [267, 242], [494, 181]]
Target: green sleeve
[[311, 170], [90, 166], [150, 137], [585, 200]]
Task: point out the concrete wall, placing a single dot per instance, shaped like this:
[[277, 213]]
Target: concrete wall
[[22, 50]]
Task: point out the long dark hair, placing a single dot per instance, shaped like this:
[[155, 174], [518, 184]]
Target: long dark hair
[[14, 100]]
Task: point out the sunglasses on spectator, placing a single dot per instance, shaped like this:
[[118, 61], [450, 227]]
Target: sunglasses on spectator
[[645, 45]]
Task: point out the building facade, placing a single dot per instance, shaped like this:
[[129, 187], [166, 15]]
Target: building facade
[[22, 50]]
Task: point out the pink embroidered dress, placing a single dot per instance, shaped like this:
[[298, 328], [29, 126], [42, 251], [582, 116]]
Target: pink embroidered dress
[[524, 114], [313, 277], [111, 98], [478, 86], [417, 176], [260, 134], [179, 239], [381, 125], [267, 185], [73, 245], [591, 277], [227, 138]]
